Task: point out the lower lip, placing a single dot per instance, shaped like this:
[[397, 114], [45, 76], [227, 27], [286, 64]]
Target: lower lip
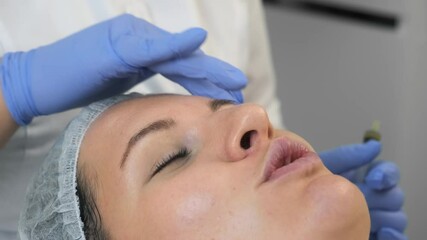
[[305, 164]]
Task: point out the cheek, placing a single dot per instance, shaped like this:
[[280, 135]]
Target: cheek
[[179, 212], [214, 208], [193, 208]]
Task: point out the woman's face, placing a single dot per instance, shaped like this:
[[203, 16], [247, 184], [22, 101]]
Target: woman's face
[[230, 175]]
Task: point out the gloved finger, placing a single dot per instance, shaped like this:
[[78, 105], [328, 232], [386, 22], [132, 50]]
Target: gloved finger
[[200, 66], [348, 157], [387, 219], [238, 96], [203, 87], [141, 51], [123, 85], [383, 175], [350, 175], [389, 200], [390, 234]]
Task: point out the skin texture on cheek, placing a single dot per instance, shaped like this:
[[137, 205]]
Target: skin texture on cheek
[[242, 223], [207, 213], [207, 217], [193, 209]]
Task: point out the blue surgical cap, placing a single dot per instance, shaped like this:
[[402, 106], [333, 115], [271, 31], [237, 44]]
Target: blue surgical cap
[[51, 209]]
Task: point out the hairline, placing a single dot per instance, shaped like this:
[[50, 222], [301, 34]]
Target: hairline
[[86, 185]]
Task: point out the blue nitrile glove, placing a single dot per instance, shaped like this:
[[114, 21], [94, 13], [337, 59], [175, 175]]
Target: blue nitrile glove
[[110, 58], [379, 186]]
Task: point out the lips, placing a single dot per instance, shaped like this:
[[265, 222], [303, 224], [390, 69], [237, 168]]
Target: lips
[[285, 156]]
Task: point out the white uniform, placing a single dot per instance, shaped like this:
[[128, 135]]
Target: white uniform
[[236, 34]]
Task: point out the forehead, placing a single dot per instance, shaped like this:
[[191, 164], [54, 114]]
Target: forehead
[[147, 107], [143, 110], [110, 132], [163, 101]]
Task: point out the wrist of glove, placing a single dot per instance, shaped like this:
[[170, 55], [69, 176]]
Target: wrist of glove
[[379, 186], [110, 58]]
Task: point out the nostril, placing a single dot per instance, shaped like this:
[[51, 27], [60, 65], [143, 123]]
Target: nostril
[[245, 142]]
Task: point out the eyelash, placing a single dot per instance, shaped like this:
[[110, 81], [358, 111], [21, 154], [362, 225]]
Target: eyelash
[[183, 153]]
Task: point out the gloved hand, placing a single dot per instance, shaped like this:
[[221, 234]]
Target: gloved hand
[[110, 58], [379, 186]]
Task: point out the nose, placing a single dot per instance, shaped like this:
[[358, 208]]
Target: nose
[[246, 127]]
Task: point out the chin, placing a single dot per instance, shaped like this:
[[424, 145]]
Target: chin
[[339, 209]]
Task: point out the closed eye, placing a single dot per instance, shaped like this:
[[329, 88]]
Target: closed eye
[[182, 154]]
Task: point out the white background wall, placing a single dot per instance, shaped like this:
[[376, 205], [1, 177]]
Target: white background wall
[[336, 77]]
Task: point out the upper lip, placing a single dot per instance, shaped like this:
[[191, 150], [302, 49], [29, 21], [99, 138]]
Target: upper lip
[[282, 151]]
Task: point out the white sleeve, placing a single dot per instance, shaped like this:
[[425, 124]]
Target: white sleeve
[[260, 71]]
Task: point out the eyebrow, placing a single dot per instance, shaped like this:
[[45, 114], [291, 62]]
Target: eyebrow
[[164, 124], [153, 127], [215, 104]]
